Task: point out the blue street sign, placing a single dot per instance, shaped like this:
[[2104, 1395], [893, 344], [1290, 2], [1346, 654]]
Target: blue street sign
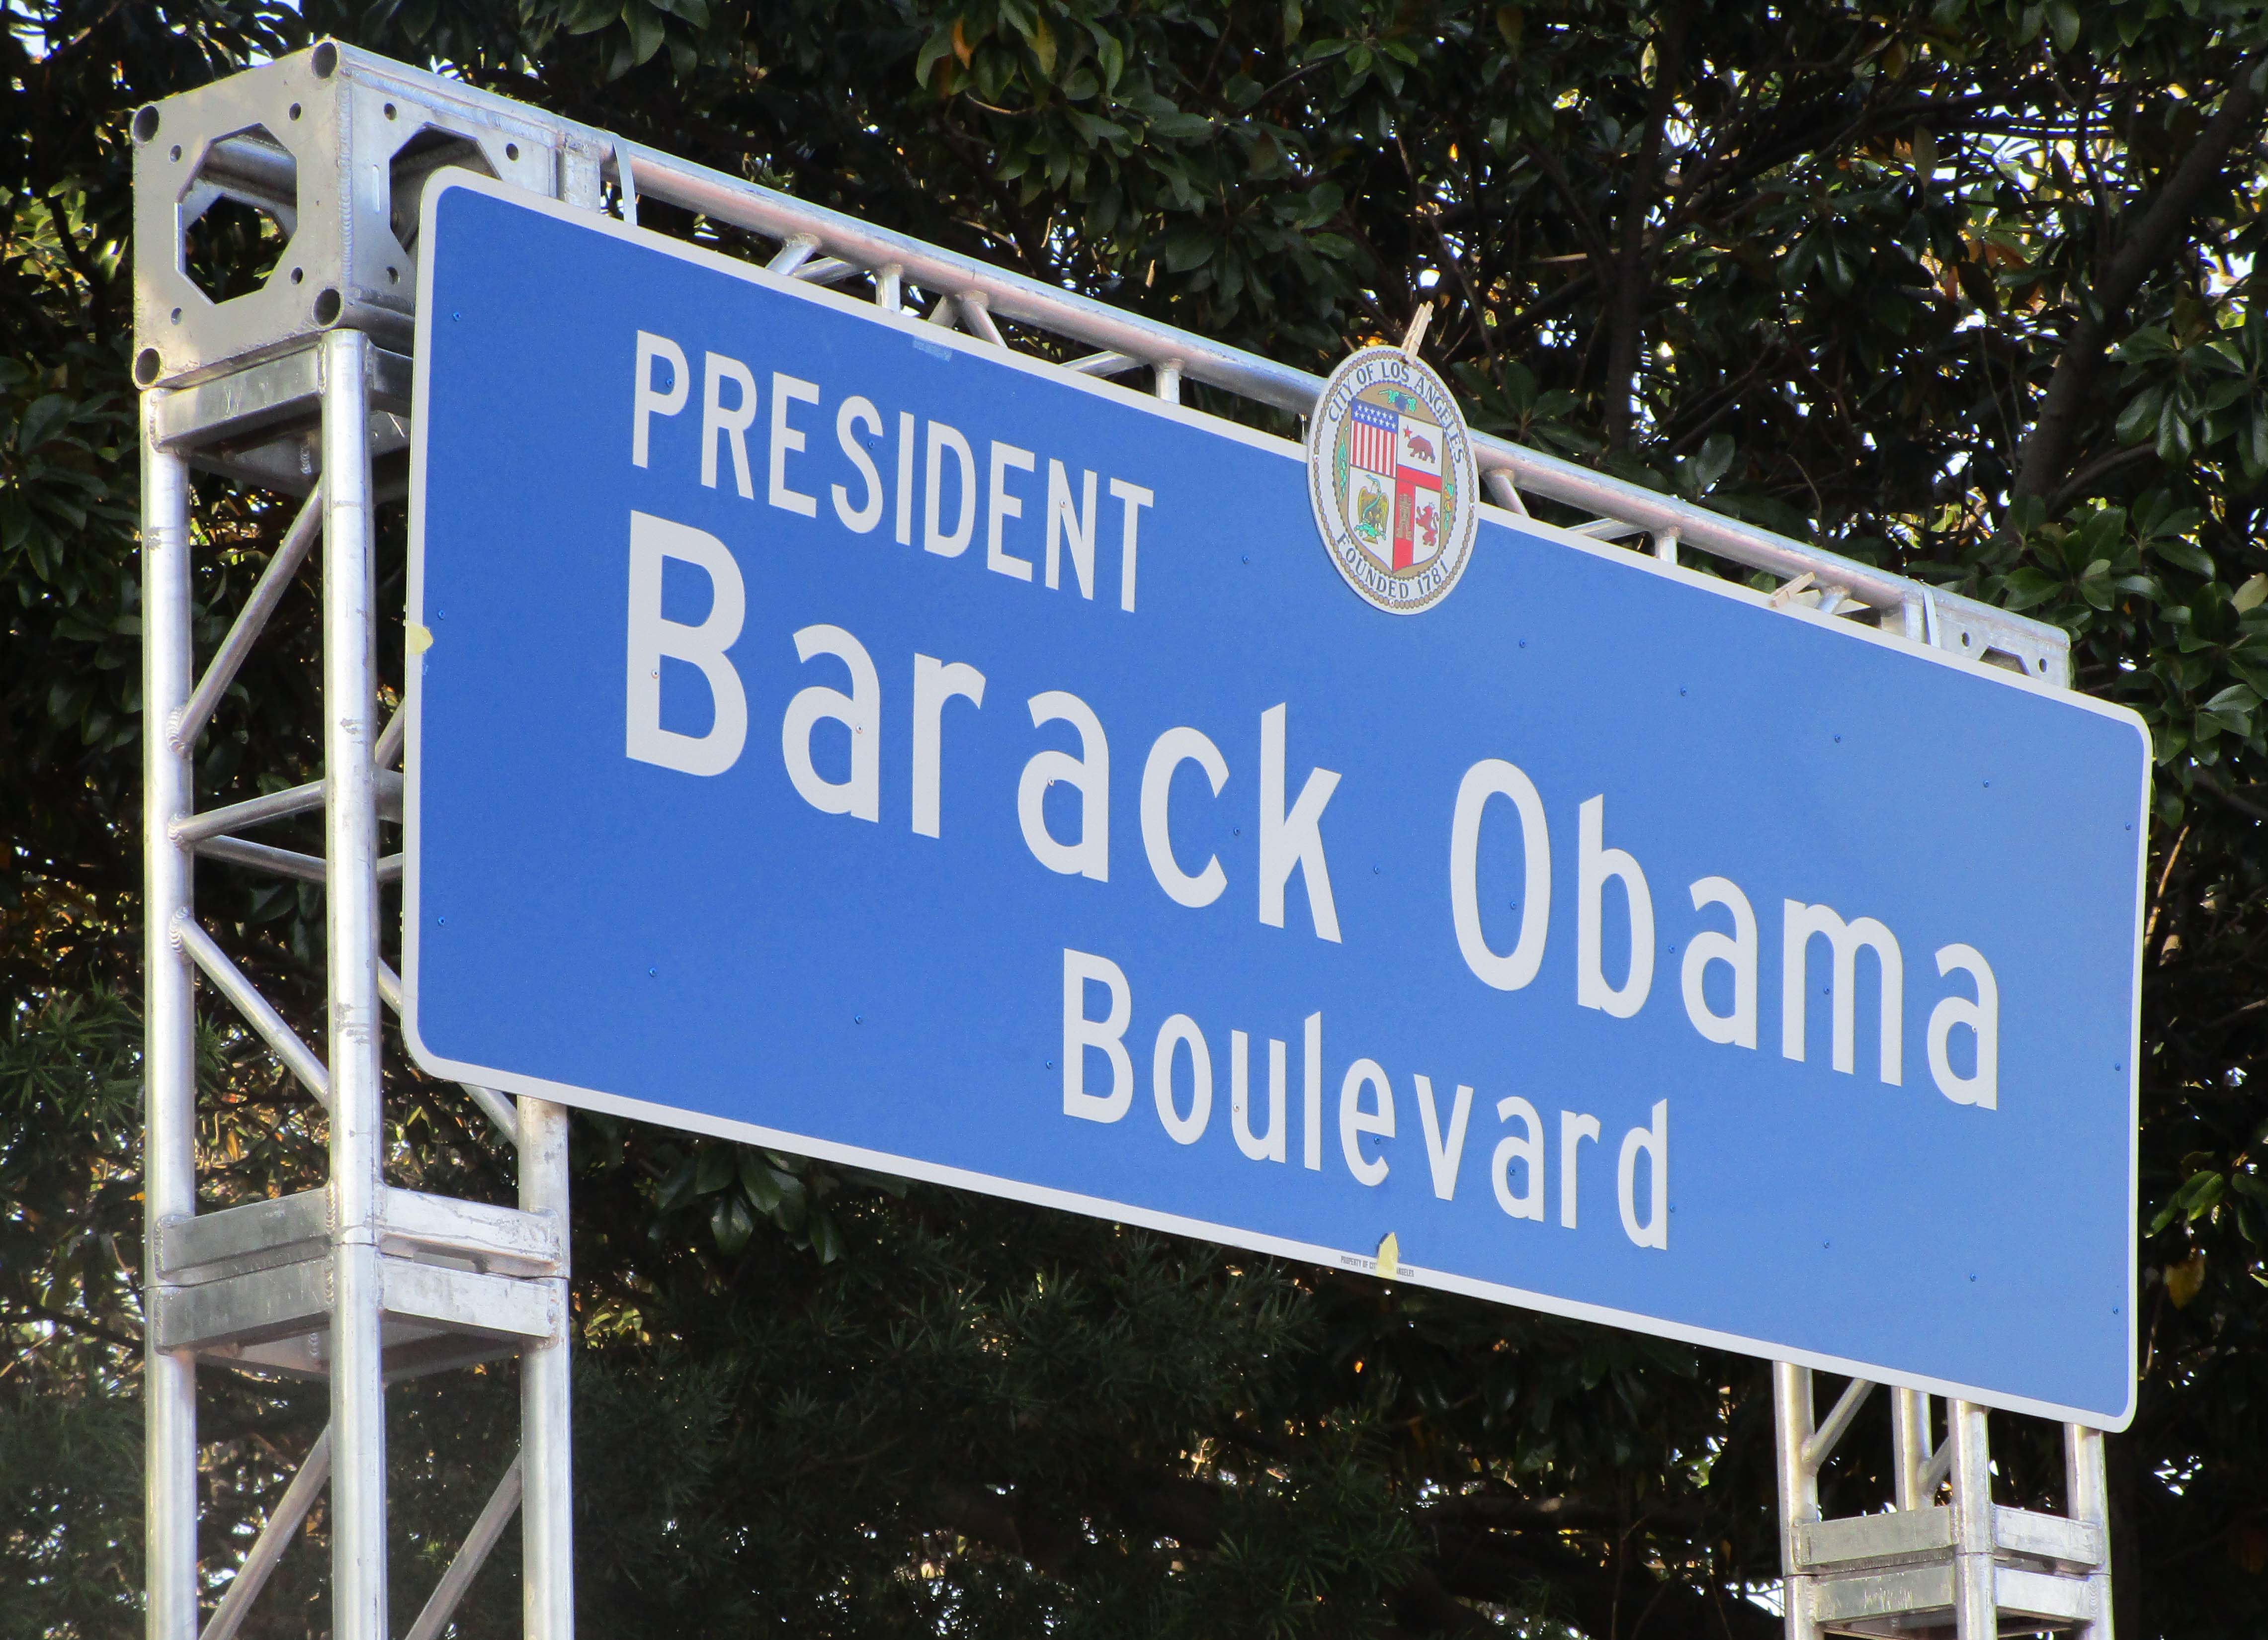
[[836, 733]]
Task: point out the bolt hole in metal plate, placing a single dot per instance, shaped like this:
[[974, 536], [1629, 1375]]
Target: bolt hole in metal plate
[[145, 124]]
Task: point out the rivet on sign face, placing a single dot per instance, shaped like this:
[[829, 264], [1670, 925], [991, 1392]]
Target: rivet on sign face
[[440, 919], [1051, 1064], [653, 973], [858, 1019]]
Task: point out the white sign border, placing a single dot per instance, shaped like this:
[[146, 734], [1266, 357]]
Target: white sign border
[[1093, 1207]]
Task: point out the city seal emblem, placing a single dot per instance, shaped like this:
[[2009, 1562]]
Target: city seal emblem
[[1390, 471]]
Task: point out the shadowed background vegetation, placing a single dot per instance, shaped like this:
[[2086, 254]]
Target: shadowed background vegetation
[[1965, 289]]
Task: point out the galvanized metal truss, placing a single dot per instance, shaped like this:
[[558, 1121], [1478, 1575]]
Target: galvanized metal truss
[[302, 389], [1968, 1567]]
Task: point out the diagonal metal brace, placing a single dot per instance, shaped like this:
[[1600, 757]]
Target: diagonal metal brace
[[258, 1012], [977, 314], [494, 1517], [799, 249], [1506, 492], [275, 1538], [1933, 1472], [498, 1109], [266, 593], [1822, 1445]]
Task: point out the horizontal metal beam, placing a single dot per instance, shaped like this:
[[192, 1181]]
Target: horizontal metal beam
[[278, 862], [412, 1224], [497, 1240], [236, 1241], [271, 394], [283, 862], [250, 1308], [278, 806], [298, 1298], [2040, 650], [1007, 295], [298, 799], [468, 1301]]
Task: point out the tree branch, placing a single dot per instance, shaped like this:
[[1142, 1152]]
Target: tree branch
[[2071, 390], [2094, 472]]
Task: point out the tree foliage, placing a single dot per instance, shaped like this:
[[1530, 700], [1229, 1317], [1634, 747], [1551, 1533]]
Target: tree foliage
[[1966, 289]]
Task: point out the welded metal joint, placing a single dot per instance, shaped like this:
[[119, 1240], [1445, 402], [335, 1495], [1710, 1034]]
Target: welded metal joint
[[799, 249]]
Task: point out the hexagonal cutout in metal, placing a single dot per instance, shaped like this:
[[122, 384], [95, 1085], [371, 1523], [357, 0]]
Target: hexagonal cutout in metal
[[239, 212], [415, 162]]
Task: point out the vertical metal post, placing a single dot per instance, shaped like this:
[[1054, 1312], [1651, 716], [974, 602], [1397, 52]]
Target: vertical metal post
[[1910, 1447], [1799, 1491], [1975, 1613], [2087, 1497], [169, 1023], [546, 1436], [357, 1135], [546, 1396]]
